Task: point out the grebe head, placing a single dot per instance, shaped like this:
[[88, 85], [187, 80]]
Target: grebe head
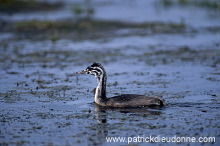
[[95, 69]]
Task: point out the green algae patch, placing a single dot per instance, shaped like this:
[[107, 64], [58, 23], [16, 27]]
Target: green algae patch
[[201, 3], [15, 6], [90, 28], [87, 24]]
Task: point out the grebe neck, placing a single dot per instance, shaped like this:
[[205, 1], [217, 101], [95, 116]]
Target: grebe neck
[[100, 94]]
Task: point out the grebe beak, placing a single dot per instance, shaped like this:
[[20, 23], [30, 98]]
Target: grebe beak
[[82, 72]]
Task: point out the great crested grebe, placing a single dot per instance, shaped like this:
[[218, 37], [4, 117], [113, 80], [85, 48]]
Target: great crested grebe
[[124, 100]]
